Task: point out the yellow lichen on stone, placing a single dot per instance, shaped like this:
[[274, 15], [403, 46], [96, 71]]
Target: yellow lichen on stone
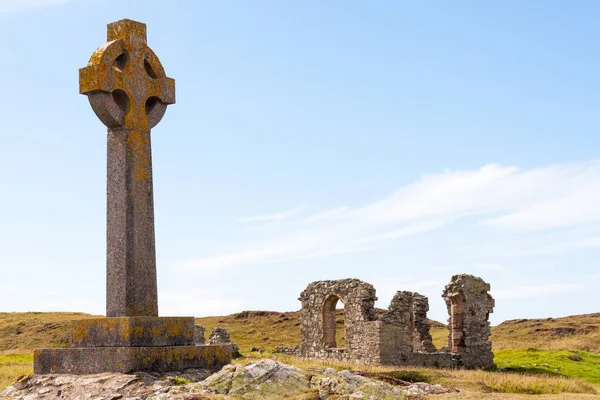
[[126, 64]]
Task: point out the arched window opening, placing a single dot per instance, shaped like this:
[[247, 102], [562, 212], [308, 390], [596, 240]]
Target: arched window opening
[[457, 309], [333, 322]]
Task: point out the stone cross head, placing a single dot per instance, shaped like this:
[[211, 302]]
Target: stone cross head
[[124, 80]]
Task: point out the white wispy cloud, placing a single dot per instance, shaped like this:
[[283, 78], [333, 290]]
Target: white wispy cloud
[[19, 5], [278, 216], [335, 213], [505, 200]]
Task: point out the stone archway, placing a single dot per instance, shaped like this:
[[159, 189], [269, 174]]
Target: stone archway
[[469, 305], [318, 316], [330, 320], [457, 309]]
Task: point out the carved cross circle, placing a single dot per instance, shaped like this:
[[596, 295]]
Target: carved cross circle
[[124, 80]]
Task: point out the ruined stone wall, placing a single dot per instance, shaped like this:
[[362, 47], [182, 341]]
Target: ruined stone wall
[[221, 336], [469, 306], [396, 333], [421, 336], [317, 317], [401, 336]]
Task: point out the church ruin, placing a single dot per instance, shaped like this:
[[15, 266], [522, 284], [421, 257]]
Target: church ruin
[[401, 335]]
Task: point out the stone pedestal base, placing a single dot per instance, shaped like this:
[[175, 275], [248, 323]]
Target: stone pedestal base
[[133, 332], [94, 360], [127, 344]]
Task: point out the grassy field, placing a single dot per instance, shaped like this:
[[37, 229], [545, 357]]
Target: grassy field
[[35, 329], [579, 332], [13, 366], [559, 358], [577, 364]]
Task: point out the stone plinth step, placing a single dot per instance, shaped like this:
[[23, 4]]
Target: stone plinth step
[[81, 361], [133, 332]]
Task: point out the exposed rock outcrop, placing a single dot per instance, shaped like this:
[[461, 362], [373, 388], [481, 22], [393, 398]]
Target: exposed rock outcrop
[[264, 379]]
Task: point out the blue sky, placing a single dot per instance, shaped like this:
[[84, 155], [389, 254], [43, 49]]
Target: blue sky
[[395, 142]]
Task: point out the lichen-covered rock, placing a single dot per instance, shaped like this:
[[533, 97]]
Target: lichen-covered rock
[[264, 379], [105, 386], [347, 383], [267, 378], [351, 385]]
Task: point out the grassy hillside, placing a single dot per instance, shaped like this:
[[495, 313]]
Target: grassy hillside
[[538, 356], [268, 329], [35, 329], [578, 332]]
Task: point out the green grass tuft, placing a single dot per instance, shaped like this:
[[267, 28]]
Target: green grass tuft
[[177, 380], [575, 364]]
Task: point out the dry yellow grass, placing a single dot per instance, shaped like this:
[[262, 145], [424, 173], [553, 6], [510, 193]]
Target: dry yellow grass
[[14, 366], [579, 332], [501, 382], [470, 382], [259, 329], [35, 329]]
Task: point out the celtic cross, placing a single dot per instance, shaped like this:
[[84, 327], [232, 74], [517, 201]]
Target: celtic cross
[[129, 91]]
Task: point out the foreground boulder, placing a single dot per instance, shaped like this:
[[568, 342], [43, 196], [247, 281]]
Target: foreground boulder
[[260, 380], [264, 379]]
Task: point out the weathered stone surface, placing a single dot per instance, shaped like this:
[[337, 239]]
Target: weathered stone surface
[[263, 379], [221, 336], [348, 383], [402, 335], [422, 340], [131, 287], [129, 91], [289, 350], [106, 386], [126, 64], [270, 379], [93, 360], [317, 317], [469, 306], [133, 331]]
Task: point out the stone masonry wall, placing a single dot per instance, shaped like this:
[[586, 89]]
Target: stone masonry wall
[[421, 336], [317, 318], [221, 336], [401, 336], [469, 306], [396, 333]]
